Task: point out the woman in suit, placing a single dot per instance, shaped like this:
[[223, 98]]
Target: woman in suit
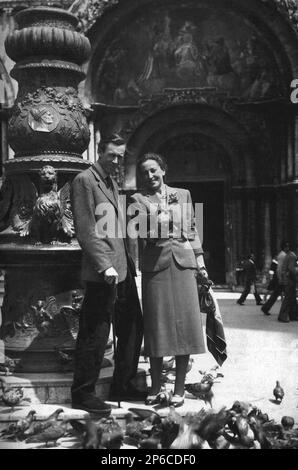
[[170, 256]]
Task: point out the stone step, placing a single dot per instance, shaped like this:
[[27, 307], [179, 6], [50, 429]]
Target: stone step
[[54, 388]]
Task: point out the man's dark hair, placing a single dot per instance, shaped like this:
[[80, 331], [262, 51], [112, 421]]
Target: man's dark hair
[[113, 138], [153, 156]]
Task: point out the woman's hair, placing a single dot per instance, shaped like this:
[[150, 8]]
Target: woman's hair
[[152, 156]]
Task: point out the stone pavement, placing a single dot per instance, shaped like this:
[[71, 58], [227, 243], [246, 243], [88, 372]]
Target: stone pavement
[[261, 350]]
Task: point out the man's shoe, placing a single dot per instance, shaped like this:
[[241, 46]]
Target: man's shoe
[[93, 405], [266, 312], [240, 303], [283, 321], [127, 394]]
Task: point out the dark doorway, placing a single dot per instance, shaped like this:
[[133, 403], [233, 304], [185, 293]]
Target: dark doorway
[[211, 194]]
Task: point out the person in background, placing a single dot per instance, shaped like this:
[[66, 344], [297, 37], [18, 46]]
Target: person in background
[[250, 273], [278, 286], [273, 279], [289, 308]]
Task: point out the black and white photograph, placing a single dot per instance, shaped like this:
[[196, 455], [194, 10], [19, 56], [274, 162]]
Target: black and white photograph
[[149, 227]]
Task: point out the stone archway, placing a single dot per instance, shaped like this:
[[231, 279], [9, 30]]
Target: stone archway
[[210, 122]]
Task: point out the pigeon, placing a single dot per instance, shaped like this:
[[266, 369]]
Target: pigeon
[[5, 370], [262, 417], [36, 427], [52, 433], [164, 398], [244, 431], [146, 414], [135, 430], [17, 430], [89, 432], [274, 430], [239, 406], [202, 390], [212, 425], [287, 422], [259, 433], [12, 396], [112, 435], [221, 443], [9, 365], [188, 439], [278, 392], [189, 365], [168, 429], [212, 373], [168, 365]]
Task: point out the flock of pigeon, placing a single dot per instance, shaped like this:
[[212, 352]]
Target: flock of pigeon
[[242, 426]]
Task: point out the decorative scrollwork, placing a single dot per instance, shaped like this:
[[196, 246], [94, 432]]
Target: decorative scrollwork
[[288, 8], [88, 11], [175, 97]]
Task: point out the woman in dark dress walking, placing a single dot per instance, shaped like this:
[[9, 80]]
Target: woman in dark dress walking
[[170, 256]]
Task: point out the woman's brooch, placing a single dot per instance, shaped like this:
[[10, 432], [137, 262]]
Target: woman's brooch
[[173, 198]]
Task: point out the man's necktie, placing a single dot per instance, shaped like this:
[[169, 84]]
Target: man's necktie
[[109, 183]]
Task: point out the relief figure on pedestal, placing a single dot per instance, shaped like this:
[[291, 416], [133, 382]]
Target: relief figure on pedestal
[[43, 119]]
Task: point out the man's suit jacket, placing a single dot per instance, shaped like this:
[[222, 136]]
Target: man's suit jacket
[[250, 271], [288, 269], [89, 189], [156, 253]]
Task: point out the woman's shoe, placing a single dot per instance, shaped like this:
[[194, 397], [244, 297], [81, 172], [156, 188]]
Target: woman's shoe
[[177, 400]]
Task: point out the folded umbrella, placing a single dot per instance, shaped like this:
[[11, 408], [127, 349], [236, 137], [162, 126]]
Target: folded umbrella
[[111, 309], [216, 342]]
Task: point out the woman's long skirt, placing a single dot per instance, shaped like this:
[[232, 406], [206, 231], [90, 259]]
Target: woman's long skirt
[[172, 317]]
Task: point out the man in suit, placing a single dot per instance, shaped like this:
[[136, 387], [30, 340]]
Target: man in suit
[[289, 308], [105, 262], [279, 286], [250, 281]]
